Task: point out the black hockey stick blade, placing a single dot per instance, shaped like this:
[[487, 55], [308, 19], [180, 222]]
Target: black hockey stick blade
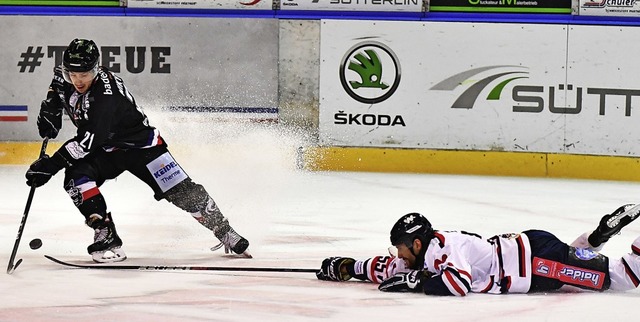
[[11, 266], [183, 268]]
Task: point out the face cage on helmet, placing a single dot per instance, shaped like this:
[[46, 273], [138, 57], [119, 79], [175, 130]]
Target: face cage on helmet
[[67, 78]]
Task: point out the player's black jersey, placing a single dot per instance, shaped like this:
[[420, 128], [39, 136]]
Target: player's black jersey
[[106, 116]]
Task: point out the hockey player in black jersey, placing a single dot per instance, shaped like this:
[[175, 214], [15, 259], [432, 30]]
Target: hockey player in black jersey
[[113, 135]]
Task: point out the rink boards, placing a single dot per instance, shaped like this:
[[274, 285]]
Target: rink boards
[[538, 88], [521, 164], [472, 98], [552, 100]]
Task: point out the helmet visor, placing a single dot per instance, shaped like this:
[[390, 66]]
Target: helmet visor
[[93, 73]]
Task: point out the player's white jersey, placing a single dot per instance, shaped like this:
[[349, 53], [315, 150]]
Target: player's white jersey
[[468, 263], [465, 263]]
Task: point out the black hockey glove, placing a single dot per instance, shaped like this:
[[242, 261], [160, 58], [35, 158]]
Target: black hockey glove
[[405, 282], [41, 171], [330, 269], [49, 120]]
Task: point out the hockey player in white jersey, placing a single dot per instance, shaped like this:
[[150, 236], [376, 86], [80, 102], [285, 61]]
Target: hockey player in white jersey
[[455, 263]]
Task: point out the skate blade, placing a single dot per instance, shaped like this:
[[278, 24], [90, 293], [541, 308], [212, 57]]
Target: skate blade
[[229, 253], [625, 218], [244, 254]]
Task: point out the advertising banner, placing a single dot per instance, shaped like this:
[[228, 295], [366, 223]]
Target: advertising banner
[[354, 5], [457, 86], [202, 4], [619, 8], [177, 64], [87, 3], [519, 6]]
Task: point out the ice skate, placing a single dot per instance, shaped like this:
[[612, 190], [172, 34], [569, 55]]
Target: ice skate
[[106, 247], [613, 223], [233, 243]]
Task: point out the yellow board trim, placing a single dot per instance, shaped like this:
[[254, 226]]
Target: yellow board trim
[[523, 164], [23, 152], [501, 163]]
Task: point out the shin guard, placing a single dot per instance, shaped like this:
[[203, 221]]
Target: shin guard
[[194, 199], [86, 196]]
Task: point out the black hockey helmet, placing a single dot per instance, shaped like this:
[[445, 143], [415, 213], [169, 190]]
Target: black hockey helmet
[[409, 227], [80, 56]]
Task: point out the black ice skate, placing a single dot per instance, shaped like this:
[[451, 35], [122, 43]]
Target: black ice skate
[[613, 223], [106, 247], [233, 243]]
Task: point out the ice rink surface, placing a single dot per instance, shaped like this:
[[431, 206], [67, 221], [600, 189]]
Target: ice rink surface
[[293, 219]]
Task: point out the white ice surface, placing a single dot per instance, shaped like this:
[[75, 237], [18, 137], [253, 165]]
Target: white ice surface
[[293, 219]]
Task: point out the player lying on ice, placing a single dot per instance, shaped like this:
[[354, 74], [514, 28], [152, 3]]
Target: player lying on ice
[[113, 135], [455, 263]]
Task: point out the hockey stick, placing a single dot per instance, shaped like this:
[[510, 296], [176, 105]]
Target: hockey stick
[[183, 268], [11, 267]]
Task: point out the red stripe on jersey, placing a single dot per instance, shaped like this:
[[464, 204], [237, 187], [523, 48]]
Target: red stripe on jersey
[[508, 281], [634, 279], [453, 281], [440, 238], [465, 273], [635, 249], [500, 262], [86, 195], [489, 286], [372, 269], [388, 266], [521, 258]]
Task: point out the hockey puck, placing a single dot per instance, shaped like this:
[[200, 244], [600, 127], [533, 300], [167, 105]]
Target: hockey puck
[[35, 243]]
